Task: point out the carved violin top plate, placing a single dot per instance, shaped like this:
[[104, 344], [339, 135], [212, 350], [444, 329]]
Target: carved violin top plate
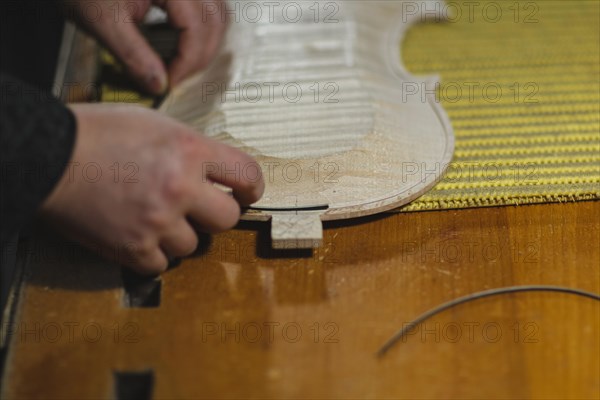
[[317, 93]]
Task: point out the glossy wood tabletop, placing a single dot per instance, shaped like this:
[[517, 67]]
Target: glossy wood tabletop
[[239, 320]]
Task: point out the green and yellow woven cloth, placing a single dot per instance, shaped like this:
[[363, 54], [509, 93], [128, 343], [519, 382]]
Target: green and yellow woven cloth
[[521, 84], [520, 81]]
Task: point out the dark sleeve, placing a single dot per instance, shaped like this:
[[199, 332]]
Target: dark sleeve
[[37, 135]]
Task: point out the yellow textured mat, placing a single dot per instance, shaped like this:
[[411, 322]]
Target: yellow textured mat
[[521, 84]]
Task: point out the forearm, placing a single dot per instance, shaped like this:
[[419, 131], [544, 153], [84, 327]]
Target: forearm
[[37, 135]]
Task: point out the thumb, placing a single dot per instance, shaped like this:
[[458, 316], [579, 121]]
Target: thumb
[[141, 61]]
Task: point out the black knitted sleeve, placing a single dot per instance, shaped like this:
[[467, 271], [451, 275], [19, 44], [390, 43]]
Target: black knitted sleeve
[[37, 135]]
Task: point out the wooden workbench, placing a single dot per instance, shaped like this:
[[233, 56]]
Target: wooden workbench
[[239, 320]]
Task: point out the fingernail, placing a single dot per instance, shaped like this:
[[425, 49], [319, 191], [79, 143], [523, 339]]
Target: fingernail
[[159, 83]]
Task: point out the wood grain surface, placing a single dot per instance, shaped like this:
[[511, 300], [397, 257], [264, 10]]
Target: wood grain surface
[[240, 320]]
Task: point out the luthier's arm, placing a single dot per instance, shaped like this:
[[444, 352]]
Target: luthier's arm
[[161, 171], [125, 181]]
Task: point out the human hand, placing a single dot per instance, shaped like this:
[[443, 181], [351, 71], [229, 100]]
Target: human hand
[[114, 23], [137, 178]]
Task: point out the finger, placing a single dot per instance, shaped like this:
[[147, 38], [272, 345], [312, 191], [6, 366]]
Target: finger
[[214, 211], [201, 32], [237, 170], [146, 261], [180, 241], [140, 60]]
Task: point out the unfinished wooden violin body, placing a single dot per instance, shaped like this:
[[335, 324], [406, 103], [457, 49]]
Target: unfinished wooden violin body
[[320, 98]]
